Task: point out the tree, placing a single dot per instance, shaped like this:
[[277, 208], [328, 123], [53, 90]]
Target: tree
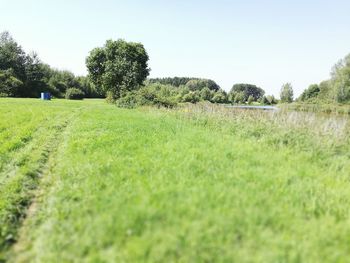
[[12, 56], [9, 84], [118, 66], [199, 84], [191, 83], [311, 92], [220, 97], [37, 75], [238, 97], [205, 94], [341, 80], [287, 93], [192, 97], [74, 94], [250, 99], [89, 89], [247, 90], [268, 100]]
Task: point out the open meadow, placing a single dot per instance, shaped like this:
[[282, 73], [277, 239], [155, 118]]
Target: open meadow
[[87, 181]]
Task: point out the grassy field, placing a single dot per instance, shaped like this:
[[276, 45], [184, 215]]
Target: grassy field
[[84, 181]]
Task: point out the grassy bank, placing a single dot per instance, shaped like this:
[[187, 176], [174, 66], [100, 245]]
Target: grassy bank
[[197, 184], [318, 108]]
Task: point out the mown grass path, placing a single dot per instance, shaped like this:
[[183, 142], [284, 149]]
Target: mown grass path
[[153, 186], [30, 133]]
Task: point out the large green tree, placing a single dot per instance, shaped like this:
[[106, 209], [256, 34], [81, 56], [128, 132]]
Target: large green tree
[[118, 66], [311, 92], [37, 76], [341, 80], [12, 56], [243, 91], [9, 85], [287, 93]]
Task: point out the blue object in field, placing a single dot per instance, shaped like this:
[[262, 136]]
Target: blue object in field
[[45, 96]]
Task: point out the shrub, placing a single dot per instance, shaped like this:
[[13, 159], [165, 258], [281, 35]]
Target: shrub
[[250, 99], [154, 94], [191, 97], [129, 101], [74, 94]]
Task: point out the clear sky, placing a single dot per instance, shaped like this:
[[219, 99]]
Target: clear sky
[[263, 42]]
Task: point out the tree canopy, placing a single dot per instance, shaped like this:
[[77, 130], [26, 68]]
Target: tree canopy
[[334, 90], [240, 93], [287, 93], [191, 83], [118, 66], [25, 75]]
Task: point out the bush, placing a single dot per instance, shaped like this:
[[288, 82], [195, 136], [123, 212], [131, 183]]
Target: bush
[[129, 101], [152, 95], [74, 94], [191, 97], [250, 99]]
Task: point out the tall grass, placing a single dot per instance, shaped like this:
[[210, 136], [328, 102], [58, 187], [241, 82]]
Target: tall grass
[[291, 127]]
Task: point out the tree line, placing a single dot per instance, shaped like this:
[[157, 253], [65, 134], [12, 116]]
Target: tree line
[[334, 90], [118, 71], [25, 75]]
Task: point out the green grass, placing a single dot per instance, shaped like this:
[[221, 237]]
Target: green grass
[[198, 184]]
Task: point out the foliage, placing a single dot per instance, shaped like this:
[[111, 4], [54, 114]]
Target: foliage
[[206, 94], [240, 93], [341, 80], [286, 94], [268, 100], [9, 85], [191, 97], [25, 75], [118, 66], [220, 97], [89, 89], [192, 83], [74, 94], [238, 97], [334, 90], [199, 84], [12, 56], [311, 92], [37, 77], [250, 99], [151, 95]]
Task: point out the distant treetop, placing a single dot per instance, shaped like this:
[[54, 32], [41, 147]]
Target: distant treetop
[[191, 83]]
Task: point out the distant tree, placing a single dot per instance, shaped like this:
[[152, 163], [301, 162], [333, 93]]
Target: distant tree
[[205, 94], [199, 84], [311, 92], [9, 85], [239, 97], [61, 80], [341, 80], [175, 81], [250, 99], [89, 89], [247, 90], [191, 83], [220, 97], [12, 56], [287, 93], [268, 100], [118, 66], [37, 75], [191, 97], [74, 94]]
